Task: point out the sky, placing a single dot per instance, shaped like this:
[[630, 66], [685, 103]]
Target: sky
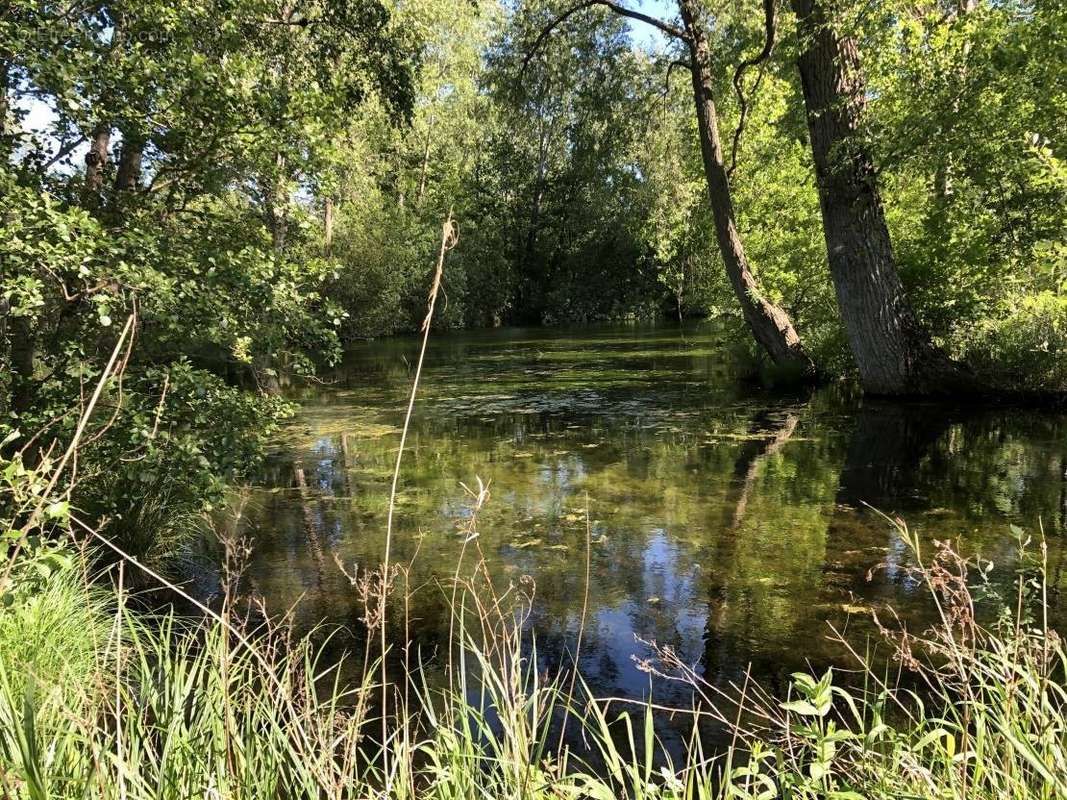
[[645, 35]]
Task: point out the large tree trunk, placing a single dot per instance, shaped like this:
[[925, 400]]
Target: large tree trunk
[[893, 352], [770, 325]]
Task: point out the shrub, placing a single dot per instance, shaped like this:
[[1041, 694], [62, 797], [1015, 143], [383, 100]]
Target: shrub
[[1025, 347]]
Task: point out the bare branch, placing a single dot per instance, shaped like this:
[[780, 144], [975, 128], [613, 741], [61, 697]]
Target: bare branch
[[617, 8], [65, 149], [670, 69], [769, 11]]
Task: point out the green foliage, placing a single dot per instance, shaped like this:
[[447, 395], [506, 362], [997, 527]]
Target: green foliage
[[562, 167], [208, 122], [167, 428], [542, 168], [966, 124], [37, 558], [1026, 347], [575, 175]]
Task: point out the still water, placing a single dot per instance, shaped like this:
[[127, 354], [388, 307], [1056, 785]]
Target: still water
[[729, 522]]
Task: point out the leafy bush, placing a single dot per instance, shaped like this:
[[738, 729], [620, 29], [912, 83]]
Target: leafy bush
[[1024, 348]]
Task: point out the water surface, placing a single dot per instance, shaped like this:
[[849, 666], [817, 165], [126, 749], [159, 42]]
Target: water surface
[[727, 521]]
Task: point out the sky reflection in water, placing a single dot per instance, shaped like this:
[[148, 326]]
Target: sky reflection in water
[[726, 521]]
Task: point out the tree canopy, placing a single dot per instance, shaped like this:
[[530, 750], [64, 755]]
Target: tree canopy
[[256, 183]]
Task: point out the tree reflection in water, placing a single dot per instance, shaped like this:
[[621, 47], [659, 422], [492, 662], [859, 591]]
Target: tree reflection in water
[[726, 521]]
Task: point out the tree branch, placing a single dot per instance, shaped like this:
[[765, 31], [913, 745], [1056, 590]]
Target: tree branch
[[768, 45], [617, 8], [670, 68], [65, 149]]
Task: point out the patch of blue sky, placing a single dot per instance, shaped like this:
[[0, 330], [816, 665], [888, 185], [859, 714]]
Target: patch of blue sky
[[644, 35]]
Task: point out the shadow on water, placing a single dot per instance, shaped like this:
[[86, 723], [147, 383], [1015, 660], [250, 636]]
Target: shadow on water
[[728, 523]]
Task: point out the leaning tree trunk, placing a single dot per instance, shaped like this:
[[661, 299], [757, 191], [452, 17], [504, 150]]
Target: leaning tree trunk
[[893, 351], [770, 325]]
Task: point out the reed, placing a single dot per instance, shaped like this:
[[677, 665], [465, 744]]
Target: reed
[[98, 701]]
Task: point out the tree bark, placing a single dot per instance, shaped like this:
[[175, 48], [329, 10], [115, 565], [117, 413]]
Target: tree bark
[[96, 162], [128, 177], [893, 352], [770, 325], [23, 346]]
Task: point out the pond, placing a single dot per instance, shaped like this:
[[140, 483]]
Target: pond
[[735, 524]]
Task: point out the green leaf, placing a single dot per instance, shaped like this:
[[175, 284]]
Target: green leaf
[[58, 509], [802, 707]]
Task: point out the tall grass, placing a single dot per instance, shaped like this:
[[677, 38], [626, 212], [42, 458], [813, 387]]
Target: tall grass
[[96, 701]]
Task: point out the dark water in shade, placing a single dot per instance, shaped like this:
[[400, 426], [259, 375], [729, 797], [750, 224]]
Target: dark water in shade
[[726, 521]]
